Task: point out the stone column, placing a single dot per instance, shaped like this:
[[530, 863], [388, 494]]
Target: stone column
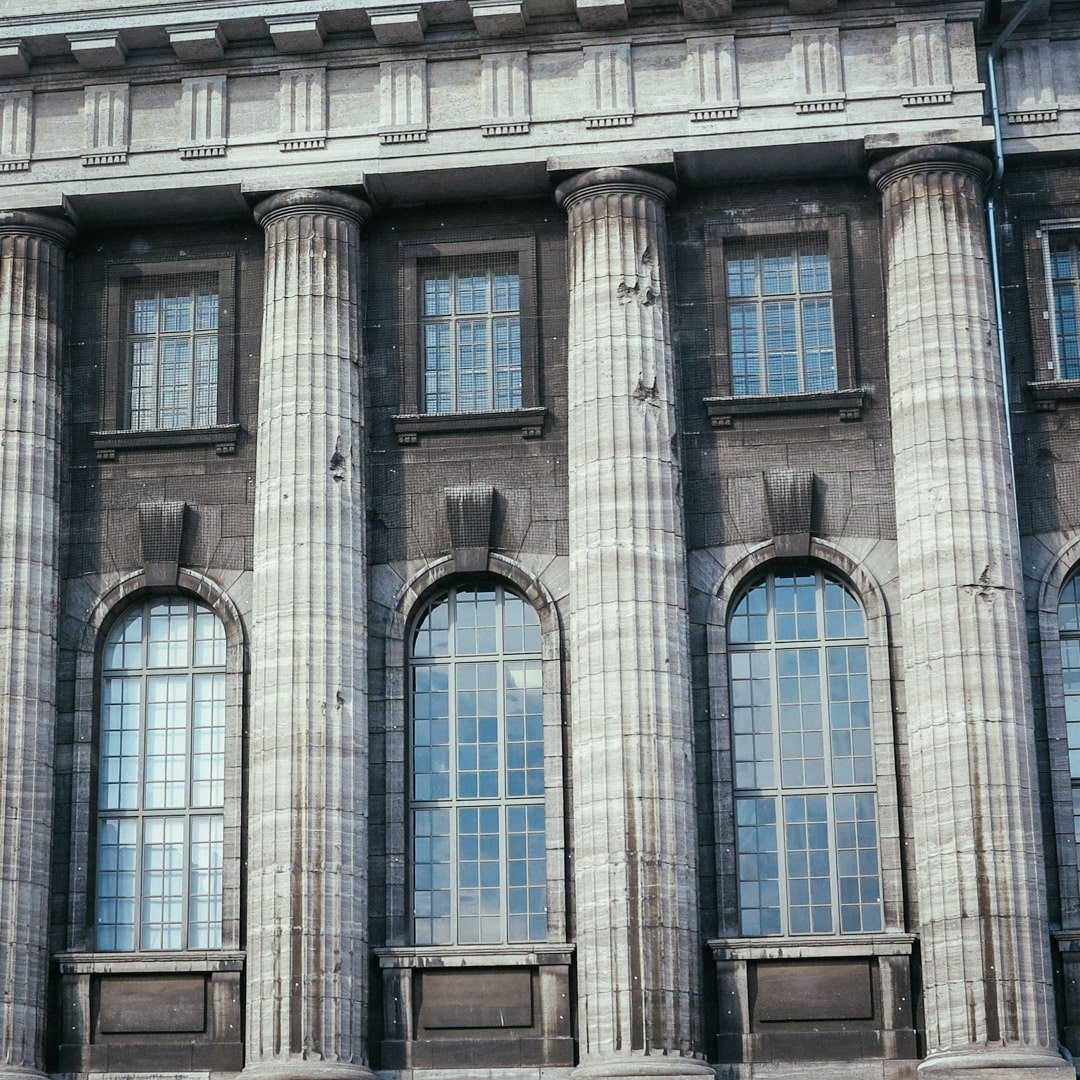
[[307, 955], [31, 305], [988, 996], [635, 838]]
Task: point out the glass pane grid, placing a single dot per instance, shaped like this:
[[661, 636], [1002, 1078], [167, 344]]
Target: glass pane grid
[[802, 745], [1069, 628], [477, 762], [1064, 253], [780, 316], [172, 352], [471, 334], [162, 755]]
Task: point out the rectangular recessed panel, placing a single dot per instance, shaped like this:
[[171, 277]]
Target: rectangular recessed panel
[[476, 999], [146, 1004], [821, 990]]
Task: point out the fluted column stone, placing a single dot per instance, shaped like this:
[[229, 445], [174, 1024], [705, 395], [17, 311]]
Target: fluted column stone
[[307, 952], [635, 874], [988, 994], [32, 248]]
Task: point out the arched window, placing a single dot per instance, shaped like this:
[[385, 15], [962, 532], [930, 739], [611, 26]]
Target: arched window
[[1069, 627], [161, 779], [804, 777], [477, 770]]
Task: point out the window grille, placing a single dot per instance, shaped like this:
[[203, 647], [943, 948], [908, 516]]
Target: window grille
[[470, 313], [1069, 626], [805, 791], [161, 787], [780, 316], [1062, 253], [172, 352], [479, 870]]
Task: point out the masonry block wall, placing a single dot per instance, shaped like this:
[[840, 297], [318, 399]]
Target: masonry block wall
[[519, 557]]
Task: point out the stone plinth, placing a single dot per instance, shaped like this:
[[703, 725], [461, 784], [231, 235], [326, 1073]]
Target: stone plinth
[[988, 994], [634, 829], [307, 953], [31, 300]]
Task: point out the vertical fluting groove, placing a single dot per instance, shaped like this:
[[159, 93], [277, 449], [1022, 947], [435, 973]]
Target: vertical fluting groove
[[31, 290], [307, 866], [985, 945], [634, 827]]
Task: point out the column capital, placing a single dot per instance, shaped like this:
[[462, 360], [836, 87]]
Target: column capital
[[307, 200], [32, 223], [614, 180], [922, 159]]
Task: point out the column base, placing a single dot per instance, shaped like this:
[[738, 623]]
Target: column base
[[300, 1069], [998, 1064], [627, 1068], [21, 1072]]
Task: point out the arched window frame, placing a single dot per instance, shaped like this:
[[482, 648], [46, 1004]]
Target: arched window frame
[[1063, 566], [109, 608], [411, 601], [744, 575]]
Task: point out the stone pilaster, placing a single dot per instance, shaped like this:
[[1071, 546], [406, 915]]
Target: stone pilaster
[[307, 953], [31, 302], [988, 996], [635, 871]]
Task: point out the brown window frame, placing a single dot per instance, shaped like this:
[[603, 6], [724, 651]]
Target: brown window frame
[[848, 399], [409, 426], [116, 432]]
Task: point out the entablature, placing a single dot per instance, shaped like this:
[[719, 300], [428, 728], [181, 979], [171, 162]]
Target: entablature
[[816, 84]]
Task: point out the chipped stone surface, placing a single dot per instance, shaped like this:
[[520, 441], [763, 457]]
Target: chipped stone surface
[[634, 835], [985, 942], [31, 294], [307, 828]]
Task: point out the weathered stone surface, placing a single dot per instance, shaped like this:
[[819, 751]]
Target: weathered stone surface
[[631, 733], [31, 295], [985, 944], [307, 862]]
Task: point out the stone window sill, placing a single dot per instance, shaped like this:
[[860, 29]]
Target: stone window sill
[[1048, 395], [795, 948], [847, 404], [222, 437], [450, 956], [136, 963], [410, 426]]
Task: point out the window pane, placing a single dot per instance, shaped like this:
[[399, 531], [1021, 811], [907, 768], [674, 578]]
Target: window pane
[[471, 349], [780, 330], [479, 842], [1065, 274], [800, 698], [173, 355], [162, 748]]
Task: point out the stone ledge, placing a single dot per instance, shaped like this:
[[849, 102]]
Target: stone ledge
[[410, 426], [1048, 395], [223, 437], [816, 948], [847, 404], [455, 956], [150, 963]]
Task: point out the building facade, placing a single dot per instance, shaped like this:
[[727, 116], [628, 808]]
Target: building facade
[[539, 539]]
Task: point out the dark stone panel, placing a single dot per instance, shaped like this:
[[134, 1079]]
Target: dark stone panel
[[833, 990], [149, 1003], [468, 999]]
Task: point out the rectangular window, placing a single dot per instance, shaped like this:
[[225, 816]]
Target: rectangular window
[[171, 351], [780, 316], [470, 318], [1063, 271]]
